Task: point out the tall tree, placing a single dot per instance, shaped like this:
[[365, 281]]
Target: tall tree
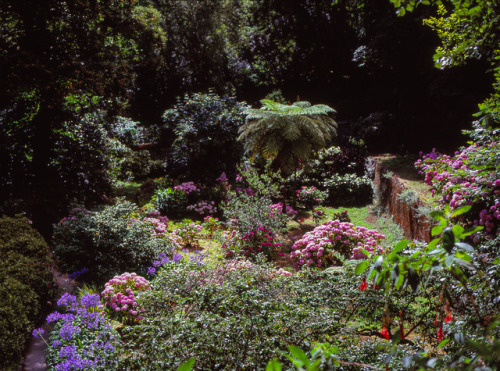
[[51, 51]]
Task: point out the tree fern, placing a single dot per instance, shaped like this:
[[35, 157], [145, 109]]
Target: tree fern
[[287, 133]]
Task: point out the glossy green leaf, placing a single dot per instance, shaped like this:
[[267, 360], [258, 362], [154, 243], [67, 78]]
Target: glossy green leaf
[[273, 365], [437, 229], [458, 230], [187, 366], [461, 210], [361, 267]]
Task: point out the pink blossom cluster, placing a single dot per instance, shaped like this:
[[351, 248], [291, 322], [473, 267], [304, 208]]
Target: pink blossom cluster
[[187, 187], [261, 240], [277, 208], [160, 225], [470, 177], [188, 232], [119, 296], [320, 246], [310, 195], [203, 208]]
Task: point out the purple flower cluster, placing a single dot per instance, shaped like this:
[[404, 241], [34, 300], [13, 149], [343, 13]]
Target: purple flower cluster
[[203, 208], [470, 177], [119, 296], [320, 246], [72, 351], [188, 188], [77, 274]]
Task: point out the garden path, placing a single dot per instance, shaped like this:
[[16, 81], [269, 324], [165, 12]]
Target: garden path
[[34, 359]]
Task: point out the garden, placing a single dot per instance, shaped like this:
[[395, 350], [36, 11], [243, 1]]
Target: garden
[[203, 219]]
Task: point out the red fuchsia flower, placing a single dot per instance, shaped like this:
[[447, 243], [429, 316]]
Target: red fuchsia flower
[[385, 333], [440, 333], [436, 321], [364, 285], [448, 318]]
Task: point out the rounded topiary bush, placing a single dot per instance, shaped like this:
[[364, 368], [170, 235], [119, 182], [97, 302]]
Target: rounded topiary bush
[[25, 284]]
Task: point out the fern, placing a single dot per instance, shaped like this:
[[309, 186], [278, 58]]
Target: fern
[[287, 133]]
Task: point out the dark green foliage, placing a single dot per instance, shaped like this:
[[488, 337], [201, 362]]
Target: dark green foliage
[[170, 201], [204, 128], [128, 164], [340, 173], [107, 242], [236, 319], [25, 285], [80, 159]]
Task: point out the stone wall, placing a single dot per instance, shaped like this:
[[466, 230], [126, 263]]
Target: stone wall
[[388, 187]]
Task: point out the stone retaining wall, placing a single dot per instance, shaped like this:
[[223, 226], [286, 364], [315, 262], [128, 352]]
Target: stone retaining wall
[[388, 187]]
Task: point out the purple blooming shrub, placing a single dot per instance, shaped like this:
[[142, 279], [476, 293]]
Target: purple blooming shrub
[[81, 337], [120, 299], [333, 241], [470, 177]]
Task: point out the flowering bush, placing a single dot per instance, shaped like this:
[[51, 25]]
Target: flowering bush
[[214, 310], [177, 258], [119, 297], [333, 242], [263, 241], [277, 209], [189, 232], [211, 224], [310, 196], [109, 241], [81, 337], [470, 177], [203, 208]]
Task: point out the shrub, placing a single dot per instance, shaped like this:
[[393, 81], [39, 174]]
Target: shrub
[[81, 159], [310, 196], [333, 242], [205, 127], [348, 190], [349, 159], [127, 164], [235, 316], [470, 177], [26, 285], [339, 172], [81, 337], [129, 132], [189, 232], [120, 297], [262, 241], [108, 241], [170, 201]]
